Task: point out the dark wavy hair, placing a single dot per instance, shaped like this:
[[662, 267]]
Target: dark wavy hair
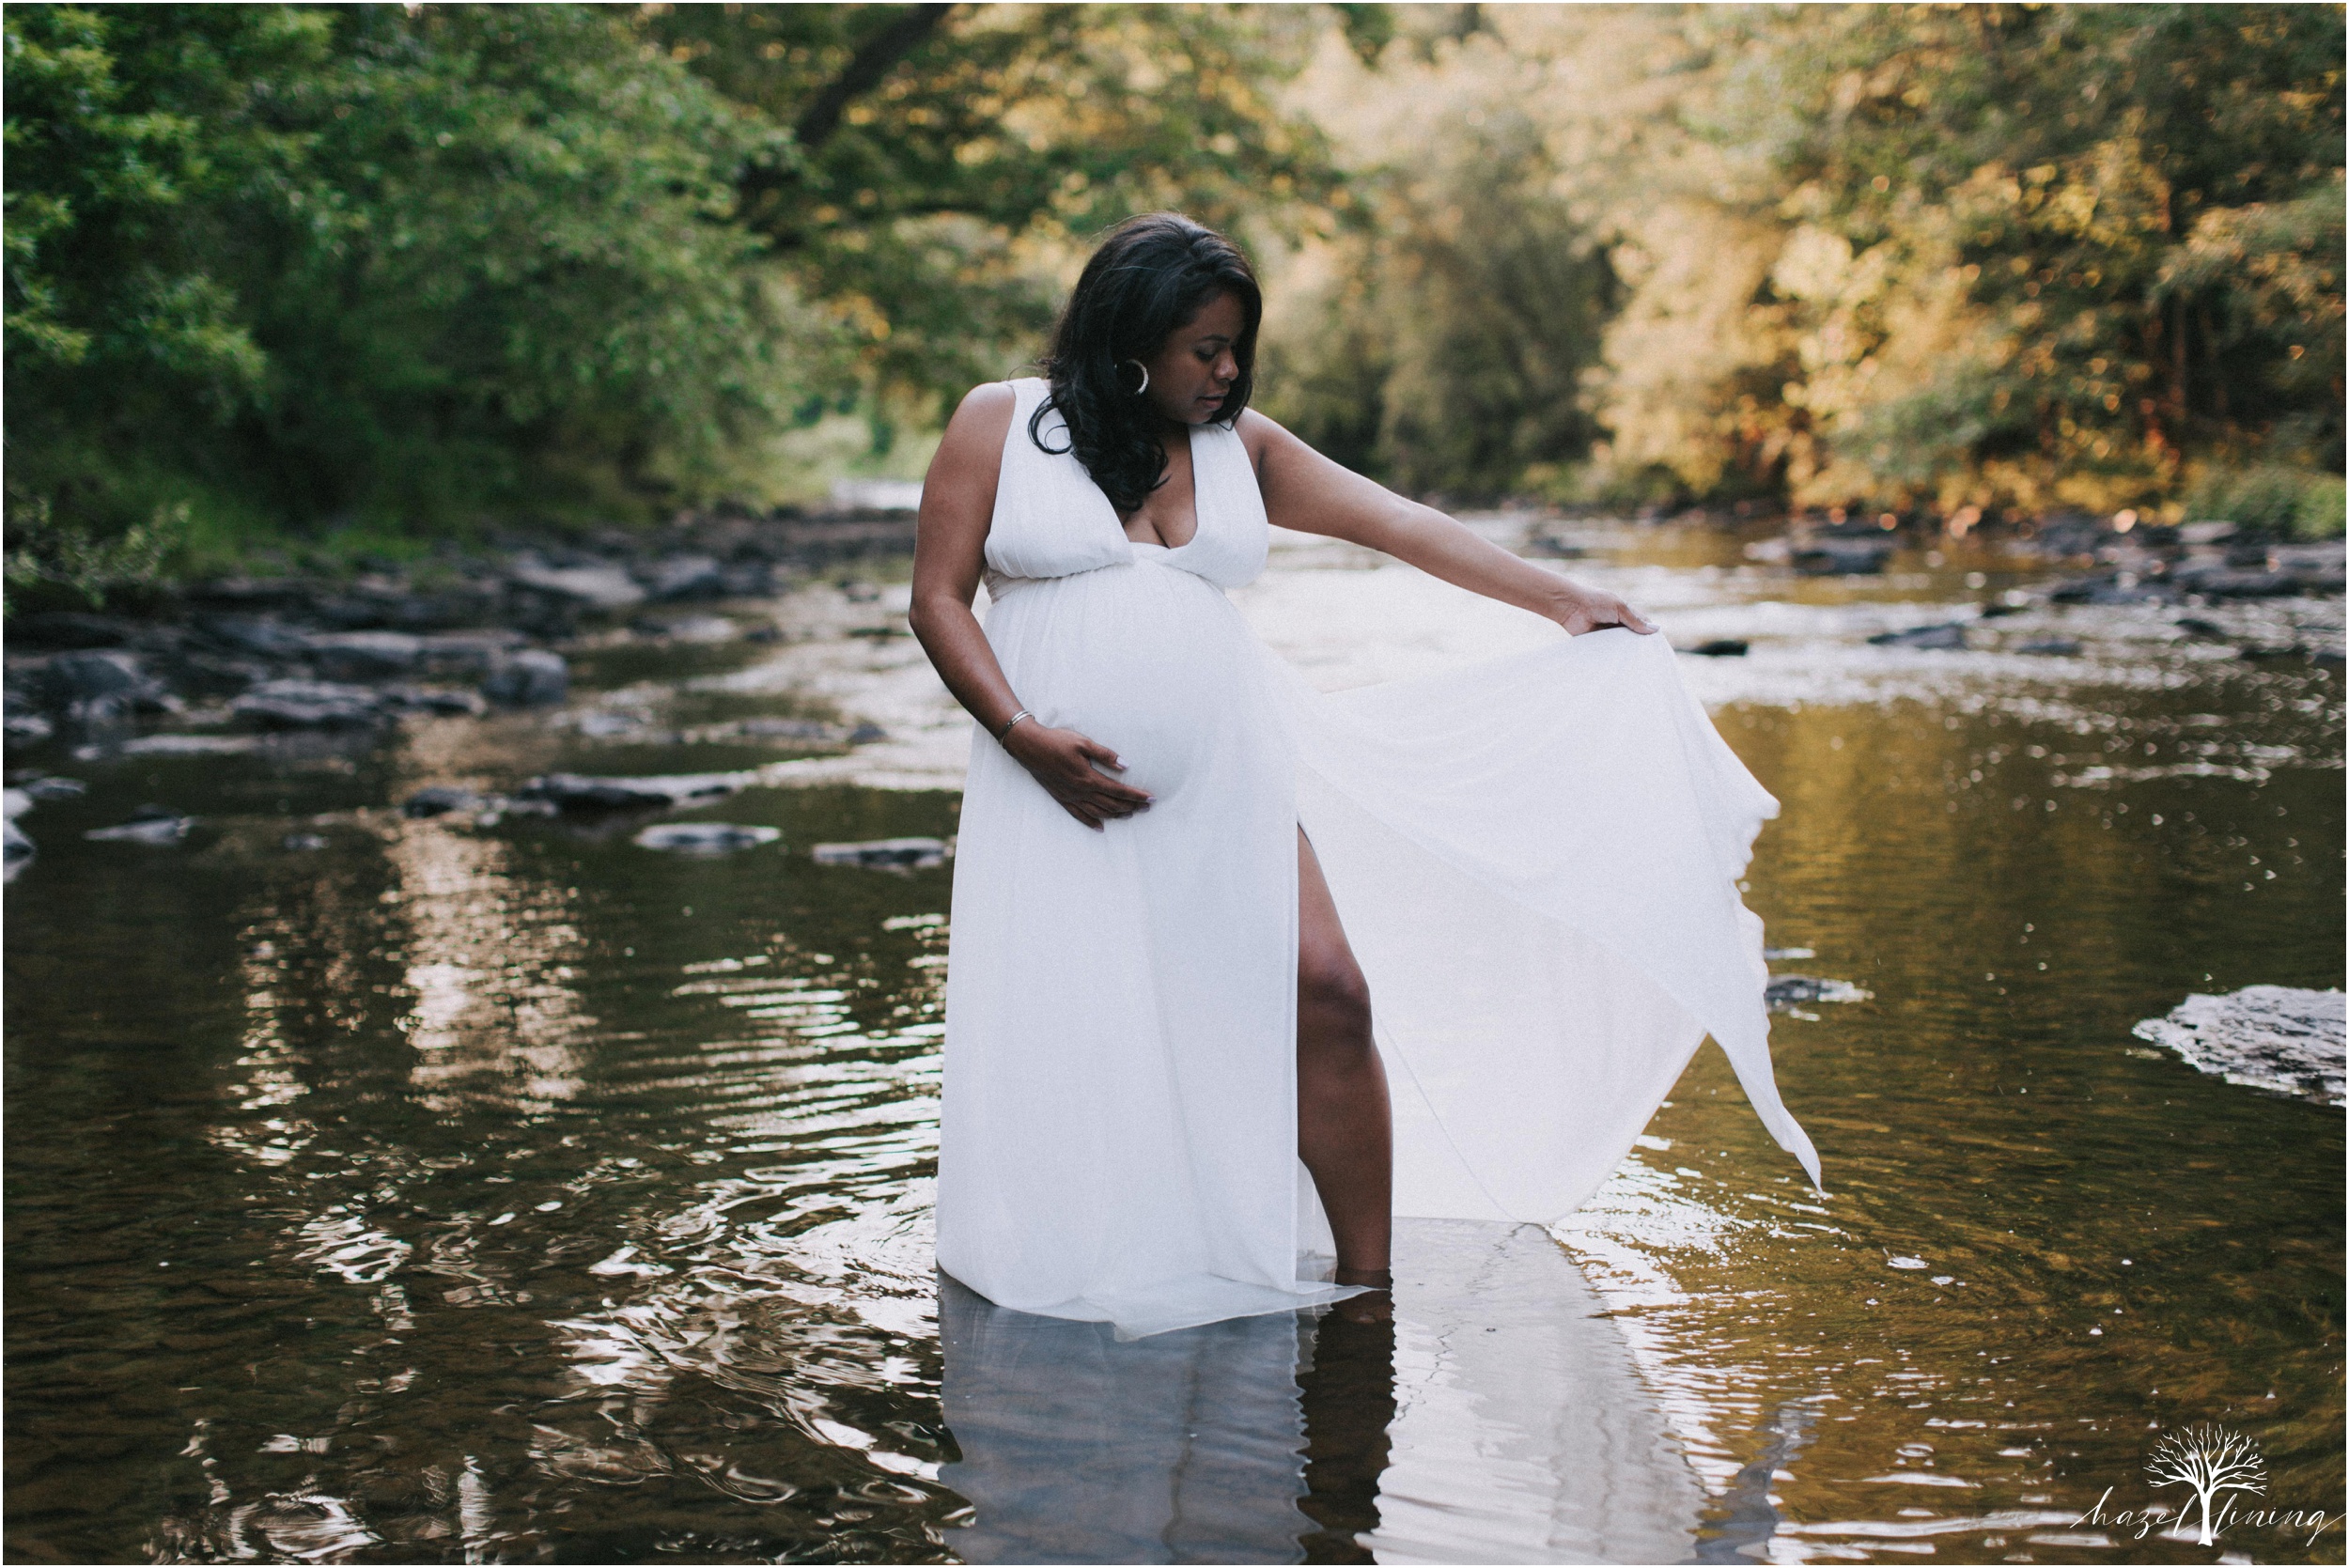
[[1151, 274]]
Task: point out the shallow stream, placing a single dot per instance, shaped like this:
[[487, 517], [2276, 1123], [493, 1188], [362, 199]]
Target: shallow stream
[[457, 1190]]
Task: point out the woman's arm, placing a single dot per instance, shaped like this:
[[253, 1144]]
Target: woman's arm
[[949, 555], [1306, 491]]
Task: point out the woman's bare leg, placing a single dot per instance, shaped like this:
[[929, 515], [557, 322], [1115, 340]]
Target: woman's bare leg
[[1343, 1133]]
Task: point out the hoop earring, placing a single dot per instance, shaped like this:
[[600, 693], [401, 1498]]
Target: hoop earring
[[1145, 376]]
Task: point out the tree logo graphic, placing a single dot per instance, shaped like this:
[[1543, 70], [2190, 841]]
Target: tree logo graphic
[[2211, 1460]]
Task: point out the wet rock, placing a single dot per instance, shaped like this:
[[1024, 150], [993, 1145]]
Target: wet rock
[[2234, 582], [706, 838], [309, 705], [435, 699], [2111, 590], [866, 733], [683, 577], [752, 579], [96, 682], [439, 800], [789, 729], [185, 746], [2314, 568], [2276, 1037], [1720, 647], [15, 848], [1999, 612], [68, 629], [1948, 635], [531, 678], [685, 628], [257, 636], [1840, 557], [585, 587], [576, 792], [248, 594], [472, 653], [885, 854], [2201, 630], [2053, 647], [1786, 991], [149, 824], [366, 655]]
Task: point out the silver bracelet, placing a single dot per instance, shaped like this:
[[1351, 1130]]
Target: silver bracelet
[[1023, 713]]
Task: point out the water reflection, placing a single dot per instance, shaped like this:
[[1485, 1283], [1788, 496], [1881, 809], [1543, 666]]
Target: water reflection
[[1491, 1413], [1185, 1447]]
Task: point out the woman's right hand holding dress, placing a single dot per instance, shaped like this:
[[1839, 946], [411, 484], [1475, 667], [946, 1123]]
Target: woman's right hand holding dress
[[1068, 765]]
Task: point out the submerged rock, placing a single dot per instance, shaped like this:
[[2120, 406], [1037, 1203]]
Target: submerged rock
[[17, 848], [1785, 991], [2277, 1037], [886, 854], [1948, 635], [1840, 557], [50, 788], [1720, 647], [2053, 647], [581, 793], [309, 705], [439, 800], [187, 745], [155, 825], [706, 838]]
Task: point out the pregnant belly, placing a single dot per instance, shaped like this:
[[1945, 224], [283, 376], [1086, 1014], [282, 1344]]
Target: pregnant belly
[[1149, 661]]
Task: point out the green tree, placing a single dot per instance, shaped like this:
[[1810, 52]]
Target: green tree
[[2046, 252], [935, 164]]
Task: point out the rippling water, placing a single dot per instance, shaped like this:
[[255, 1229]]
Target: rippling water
[[474, 1194]]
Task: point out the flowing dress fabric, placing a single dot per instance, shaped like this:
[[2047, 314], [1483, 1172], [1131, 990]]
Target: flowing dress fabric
[[1534, 859]]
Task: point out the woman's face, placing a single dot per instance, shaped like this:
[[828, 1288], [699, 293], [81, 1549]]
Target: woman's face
[[1195, 366]]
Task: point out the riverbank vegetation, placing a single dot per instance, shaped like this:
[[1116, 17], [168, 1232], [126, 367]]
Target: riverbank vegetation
[[379, 272]]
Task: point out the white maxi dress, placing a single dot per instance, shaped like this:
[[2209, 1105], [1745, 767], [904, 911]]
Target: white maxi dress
[[1536, 860]]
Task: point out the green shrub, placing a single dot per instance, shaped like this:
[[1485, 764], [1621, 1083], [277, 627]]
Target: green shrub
[[2270, 499]]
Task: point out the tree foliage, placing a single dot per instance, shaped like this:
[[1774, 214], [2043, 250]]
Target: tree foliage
[[295, 263], [2034, 255]]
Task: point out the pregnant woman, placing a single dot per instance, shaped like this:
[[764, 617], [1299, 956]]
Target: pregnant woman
[[1240, 970]]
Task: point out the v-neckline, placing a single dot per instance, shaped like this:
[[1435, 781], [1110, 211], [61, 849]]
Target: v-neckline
[[1198, 512]]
